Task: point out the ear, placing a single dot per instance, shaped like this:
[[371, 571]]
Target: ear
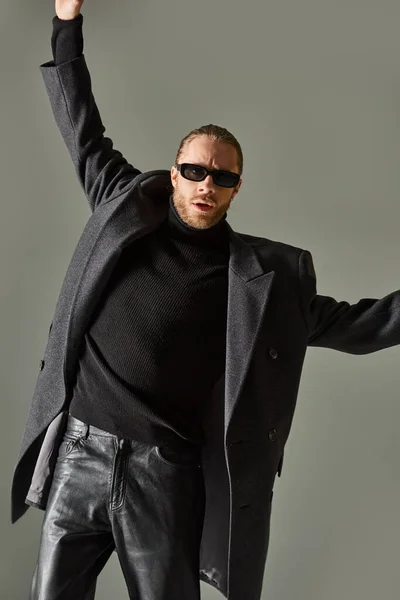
[[237, 188], [174, 175]]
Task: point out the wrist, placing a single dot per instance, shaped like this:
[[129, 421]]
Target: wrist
[[68, 16]]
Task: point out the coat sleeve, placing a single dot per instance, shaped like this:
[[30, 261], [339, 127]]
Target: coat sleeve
[[102, 170], [361, 328]]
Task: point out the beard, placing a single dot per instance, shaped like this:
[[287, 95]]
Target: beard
[[194, 218]]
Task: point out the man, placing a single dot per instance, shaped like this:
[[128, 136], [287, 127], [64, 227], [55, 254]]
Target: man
[[169, 380]]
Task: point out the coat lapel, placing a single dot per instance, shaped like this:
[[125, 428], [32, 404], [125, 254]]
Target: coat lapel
[[249, 288], [111, 227]]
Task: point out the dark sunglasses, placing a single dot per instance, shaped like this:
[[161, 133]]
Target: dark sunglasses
[[225, 179]]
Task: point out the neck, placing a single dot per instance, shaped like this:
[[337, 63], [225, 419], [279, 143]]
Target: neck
[[216, 237]]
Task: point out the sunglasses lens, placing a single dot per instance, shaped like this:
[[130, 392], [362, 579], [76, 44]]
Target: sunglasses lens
[[197, 173], [193, 172], [225, 179]]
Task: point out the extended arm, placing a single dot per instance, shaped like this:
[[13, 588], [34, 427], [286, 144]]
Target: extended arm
[[361, 328], [102, 170]]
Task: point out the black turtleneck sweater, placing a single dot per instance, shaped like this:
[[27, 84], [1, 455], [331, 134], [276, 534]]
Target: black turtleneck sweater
[[156, 342]]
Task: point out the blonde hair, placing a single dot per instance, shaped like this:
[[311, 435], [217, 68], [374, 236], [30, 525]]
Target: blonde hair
[[215, 133]]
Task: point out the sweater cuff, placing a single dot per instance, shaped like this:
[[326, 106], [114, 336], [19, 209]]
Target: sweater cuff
[[67, 39]]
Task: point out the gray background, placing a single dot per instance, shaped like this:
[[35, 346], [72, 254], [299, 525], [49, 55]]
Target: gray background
[[311, 89]]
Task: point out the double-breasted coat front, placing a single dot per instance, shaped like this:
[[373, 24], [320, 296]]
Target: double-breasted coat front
[[274, 313]]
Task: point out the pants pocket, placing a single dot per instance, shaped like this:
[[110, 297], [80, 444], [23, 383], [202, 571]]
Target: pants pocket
[[71, 442]]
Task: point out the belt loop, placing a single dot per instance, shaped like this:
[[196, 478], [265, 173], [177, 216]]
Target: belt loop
[[85, 430]]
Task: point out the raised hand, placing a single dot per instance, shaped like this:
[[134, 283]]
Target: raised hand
[[68, 9]]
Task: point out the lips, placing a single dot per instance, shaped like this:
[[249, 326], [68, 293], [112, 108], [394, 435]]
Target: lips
[[203, 207]]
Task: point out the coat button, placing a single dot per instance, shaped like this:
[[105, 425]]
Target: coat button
[[272, 434], [41, 364], [272, 352]]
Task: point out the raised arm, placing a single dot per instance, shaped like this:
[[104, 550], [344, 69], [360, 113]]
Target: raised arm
[[102, 170], [361, 328]]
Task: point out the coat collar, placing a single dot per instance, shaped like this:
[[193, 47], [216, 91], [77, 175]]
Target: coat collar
[[154, 194]]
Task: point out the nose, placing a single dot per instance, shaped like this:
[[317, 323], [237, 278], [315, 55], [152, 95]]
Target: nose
[[207, 184]]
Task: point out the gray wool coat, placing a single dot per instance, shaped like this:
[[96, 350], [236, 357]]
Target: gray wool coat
[[274, 313]]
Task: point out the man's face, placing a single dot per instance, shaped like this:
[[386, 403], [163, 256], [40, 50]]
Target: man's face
[[207, 153]]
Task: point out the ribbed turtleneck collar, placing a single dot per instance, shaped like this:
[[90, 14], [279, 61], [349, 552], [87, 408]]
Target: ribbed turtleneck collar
[[215, 237]]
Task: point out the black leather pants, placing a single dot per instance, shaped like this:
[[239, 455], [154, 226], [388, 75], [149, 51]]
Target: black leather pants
[[146, 502]]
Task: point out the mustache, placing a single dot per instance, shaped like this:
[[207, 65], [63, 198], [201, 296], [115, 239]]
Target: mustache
[[204, 199]]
